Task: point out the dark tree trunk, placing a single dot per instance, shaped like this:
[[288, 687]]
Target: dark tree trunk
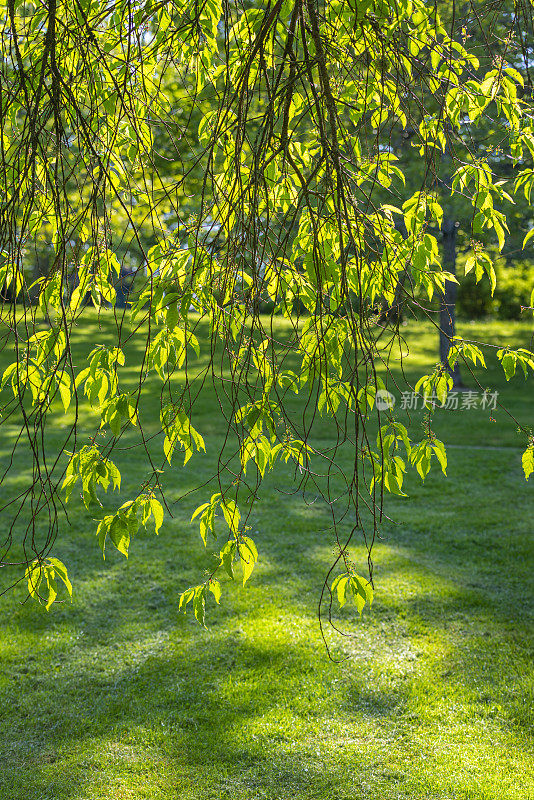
[[392, 315], [447, 315]]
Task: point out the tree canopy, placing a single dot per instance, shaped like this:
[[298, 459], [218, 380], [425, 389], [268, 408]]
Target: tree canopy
[[241, 162]]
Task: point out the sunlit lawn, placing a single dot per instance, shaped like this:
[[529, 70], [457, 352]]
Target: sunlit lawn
[[118, 696]]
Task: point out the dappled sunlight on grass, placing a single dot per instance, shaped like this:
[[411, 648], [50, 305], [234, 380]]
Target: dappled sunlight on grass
[[116, 695]]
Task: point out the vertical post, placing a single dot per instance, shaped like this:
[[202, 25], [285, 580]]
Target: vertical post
[[447, 315]]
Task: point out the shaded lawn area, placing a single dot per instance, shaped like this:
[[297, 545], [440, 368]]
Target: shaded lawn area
[[118, 696]]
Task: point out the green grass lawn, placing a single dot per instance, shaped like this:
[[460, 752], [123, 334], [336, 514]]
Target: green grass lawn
[[116, 695]]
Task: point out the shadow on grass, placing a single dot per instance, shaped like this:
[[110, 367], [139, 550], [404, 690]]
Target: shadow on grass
[[118, 683], [118, 687], [196, 703]]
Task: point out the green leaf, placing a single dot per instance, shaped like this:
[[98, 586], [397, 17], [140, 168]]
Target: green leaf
[[34, 576], [227, 556], [358, 588], [199, 604], [119, 534], [47, 570], [215, 588], [439, 449], [508, 361], [199, 510], [185, 598], [102, 532], [339, 585], [527, 461], [52, 587], [64, 391], [168, 448], [157, 512], [248, 555], [61, 570], [362, 592], [231, 514]]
